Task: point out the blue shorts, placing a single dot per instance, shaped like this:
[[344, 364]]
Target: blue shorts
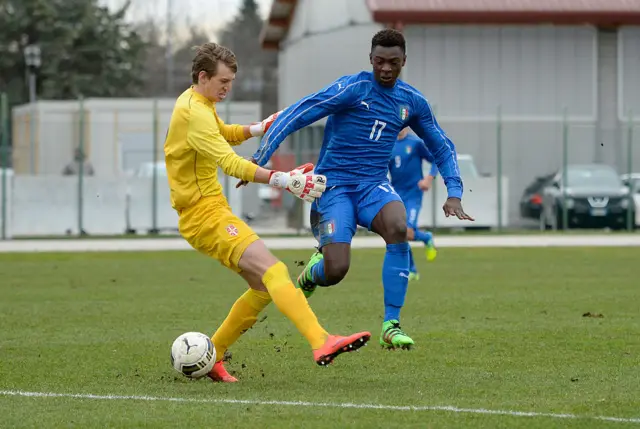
[[336, 215], [413, 206]]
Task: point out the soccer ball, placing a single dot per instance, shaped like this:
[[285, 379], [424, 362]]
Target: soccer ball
[[193, 354]]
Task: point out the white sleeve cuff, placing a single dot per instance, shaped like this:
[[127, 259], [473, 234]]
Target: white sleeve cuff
[[256, 130]]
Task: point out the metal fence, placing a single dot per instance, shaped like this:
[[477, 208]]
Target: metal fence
[[505, 179], [508, 184], [120, 186], [4, 163]]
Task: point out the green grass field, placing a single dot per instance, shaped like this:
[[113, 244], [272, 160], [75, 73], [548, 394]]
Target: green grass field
[[496, 329]]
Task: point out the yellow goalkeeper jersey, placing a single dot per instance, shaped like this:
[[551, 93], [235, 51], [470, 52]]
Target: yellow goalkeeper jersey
[[198, 142]]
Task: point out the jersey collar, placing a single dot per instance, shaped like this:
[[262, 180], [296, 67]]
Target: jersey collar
[[383, 88], [201, 97]]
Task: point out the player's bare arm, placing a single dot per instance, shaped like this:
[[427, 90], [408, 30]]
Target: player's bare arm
[[207, 141], [426, 183]]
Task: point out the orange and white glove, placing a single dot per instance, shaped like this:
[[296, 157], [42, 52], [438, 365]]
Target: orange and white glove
[[300, 181], [260, 128]]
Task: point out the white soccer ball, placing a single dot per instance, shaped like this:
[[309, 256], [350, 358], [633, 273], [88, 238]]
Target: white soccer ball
[[193, 354]]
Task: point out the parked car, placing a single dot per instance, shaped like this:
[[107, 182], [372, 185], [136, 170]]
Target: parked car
[[531, 201], [594, 197]]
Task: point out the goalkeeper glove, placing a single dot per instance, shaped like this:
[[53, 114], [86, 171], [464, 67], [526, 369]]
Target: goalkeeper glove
[[301, 182], [260, 128]]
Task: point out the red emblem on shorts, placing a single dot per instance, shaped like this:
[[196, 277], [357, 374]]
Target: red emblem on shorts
[[232, 230]]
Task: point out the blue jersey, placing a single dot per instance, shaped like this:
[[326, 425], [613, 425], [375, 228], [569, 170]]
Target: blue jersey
[[364, 119], [405, 167]]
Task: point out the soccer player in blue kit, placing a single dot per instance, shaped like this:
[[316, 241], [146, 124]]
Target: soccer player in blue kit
[[405, 171], [366, 112]]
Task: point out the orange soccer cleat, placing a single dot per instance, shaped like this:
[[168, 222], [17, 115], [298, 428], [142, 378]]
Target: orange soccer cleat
[[336, 345], [220, 375]]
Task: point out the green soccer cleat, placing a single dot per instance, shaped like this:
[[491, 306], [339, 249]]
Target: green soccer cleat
[[414, 277], [430, 249], [304, 280], [393, 337]]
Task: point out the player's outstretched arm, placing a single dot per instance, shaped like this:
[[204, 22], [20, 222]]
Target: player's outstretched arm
[[337, 96], [234, 134], [424, 123], [205, 138], [237, 134], [300, 181]]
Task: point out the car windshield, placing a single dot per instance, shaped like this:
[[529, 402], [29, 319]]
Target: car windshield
[[593, 177]]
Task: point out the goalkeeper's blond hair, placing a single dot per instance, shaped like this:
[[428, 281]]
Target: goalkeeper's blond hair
[[207, 58]]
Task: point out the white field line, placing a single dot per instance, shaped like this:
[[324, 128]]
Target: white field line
[[443, 408], [297, 243]]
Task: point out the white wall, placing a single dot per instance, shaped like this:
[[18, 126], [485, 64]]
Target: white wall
[[49, 205], [327, 39], [629, 93], [55, 136], [532, 71], [629, 78]]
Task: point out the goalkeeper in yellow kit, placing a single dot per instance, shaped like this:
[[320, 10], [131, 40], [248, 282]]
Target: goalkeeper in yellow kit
[[197, 143]]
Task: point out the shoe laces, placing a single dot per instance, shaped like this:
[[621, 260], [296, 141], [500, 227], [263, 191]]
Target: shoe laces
[[307, 282], [395, 327]]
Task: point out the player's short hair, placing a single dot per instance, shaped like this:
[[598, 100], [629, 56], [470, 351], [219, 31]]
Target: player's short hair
[[207, 58], [389, 38]]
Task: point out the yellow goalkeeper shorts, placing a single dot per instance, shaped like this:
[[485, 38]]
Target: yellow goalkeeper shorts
[[210, 227]]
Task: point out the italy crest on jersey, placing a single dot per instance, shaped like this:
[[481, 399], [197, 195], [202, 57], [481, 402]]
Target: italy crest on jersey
[[404, 113], [408, 150]]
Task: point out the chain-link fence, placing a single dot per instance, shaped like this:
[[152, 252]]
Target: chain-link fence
[[514, 172], [5, 165], [96, 167]]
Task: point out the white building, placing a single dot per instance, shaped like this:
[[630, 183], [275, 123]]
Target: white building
[[121, 139], [118, 135], [530, 61]]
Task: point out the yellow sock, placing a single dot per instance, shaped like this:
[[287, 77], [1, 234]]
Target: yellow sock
[[242, 316], [293, 304]]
